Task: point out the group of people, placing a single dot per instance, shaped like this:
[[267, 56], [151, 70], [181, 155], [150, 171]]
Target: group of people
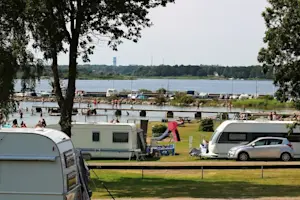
[[16, 125], [40, 124], [274, 116]]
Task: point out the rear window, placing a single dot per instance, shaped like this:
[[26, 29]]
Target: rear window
[[69, 158], [274, 142], [71, 181]]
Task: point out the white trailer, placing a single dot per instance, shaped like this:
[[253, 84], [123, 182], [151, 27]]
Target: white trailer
[[107, 140], [233, 133], [38, 164]]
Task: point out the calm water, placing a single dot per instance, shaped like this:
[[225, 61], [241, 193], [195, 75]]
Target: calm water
[[207, 86], [133, 115]]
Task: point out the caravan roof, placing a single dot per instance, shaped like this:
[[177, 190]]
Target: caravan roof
[[228, 122], [54, 135], [106, 123]]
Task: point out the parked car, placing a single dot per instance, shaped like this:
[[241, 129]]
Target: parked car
[[264, 148]]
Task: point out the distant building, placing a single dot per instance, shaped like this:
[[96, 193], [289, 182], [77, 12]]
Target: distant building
[[115, 61]]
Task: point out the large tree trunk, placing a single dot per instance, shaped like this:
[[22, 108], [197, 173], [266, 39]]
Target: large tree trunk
[[67, 107], [65, 120], [65, 104]]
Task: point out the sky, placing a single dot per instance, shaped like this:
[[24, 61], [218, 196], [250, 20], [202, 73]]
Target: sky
[[223, 32]]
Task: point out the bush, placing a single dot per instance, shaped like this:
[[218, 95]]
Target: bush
[[145, 91], [161, 91], [206, 125], [158, 130], [160, 100], [183, 99]]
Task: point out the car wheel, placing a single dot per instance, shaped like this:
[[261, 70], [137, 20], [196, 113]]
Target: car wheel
[[285, 157], [243, 156]]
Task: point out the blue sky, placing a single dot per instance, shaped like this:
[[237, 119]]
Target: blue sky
[[225, 32]]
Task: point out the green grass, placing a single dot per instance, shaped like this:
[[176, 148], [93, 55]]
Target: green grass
[[216, 184]]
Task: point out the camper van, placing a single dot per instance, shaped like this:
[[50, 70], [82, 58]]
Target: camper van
[[233, 133], [111, 92], [38, 164], [107, 140]]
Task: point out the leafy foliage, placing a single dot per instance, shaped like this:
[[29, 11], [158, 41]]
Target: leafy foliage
[[161, 91], [206, 125], [281, 56], [158, 130], [160, 100], [182, 99], [14, 57], [71, 26]]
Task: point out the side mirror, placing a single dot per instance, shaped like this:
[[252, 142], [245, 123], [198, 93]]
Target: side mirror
[[253, 144]]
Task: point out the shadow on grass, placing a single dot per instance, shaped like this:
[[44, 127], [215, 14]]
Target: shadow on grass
[[168, 188]]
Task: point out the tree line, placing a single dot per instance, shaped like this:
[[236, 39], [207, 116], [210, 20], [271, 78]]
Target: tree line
[[106, 71]]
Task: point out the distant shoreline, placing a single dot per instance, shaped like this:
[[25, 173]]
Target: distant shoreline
[[159, 77]]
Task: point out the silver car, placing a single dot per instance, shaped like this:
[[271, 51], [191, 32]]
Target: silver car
[[264, 148]]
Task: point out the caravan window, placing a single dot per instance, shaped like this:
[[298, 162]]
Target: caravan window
[[69, 158], [71, 180], [96, 136], [294, 137], [237, 136], [120, 137], [232, 137]]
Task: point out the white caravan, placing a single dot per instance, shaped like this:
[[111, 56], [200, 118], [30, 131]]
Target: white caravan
[[233, 133], [106, 140], [111, 92], [38, 164]]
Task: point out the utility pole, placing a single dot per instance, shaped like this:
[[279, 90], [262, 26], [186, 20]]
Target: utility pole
[[256, 89], [232, 87]]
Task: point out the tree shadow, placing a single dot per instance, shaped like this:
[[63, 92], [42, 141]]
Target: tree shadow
[[168, 188]]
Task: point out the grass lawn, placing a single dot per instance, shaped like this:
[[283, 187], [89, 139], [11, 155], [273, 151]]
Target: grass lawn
[[188, 183], [182, 147]]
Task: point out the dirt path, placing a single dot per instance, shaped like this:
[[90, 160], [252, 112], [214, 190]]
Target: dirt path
[[194, 163]]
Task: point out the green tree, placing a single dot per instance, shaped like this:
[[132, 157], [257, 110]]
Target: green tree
[[69, 26], [281, 56], [15, 59]]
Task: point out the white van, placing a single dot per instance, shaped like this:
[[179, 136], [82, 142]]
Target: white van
[[111, 92], [38, 164], [233, 133], [106, 140]]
